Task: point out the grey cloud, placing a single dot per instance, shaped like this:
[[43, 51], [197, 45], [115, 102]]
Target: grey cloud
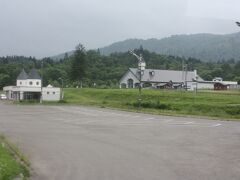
[[48, 27]]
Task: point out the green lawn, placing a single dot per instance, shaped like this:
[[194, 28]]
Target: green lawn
[[220, 104], [10, 168]]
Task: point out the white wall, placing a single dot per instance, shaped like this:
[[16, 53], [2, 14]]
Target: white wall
[[193, 85], [29, 83], [127, 76], [209, 86], [51, 94], [21, 83], [34, 82]]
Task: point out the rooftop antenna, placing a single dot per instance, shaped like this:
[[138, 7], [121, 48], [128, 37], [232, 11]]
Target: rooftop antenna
[[141, 62]]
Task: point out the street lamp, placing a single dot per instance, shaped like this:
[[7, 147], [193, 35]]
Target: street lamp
[[141, 68], [61, 88]]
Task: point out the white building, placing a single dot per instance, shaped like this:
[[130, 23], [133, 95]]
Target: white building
[[51, 93], [160, 79], [218, 84], [170, 79], [29, 87]]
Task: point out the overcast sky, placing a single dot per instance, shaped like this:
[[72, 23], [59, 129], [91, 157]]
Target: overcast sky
[[48, 27]]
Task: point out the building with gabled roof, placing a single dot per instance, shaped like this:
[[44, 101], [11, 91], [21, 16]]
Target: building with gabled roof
[[171, 79], [159, 78], [29, 87]]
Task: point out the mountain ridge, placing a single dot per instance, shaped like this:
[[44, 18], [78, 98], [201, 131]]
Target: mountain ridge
[[203, 46]]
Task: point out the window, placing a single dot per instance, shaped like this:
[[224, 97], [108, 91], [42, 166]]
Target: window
[[152, 73], [20, 82], [47, 92], [130, 83], [37, 83], [53, 92], [30, 83]]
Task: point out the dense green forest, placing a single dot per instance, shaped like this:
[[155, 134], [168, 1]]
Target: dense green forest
[[96, 70], [207, 47]]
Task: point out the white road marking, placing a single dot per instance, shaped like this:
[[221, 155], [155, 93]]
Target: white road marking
[[216, 125], [86, 122], [123, 115], [77, 112], [180, 123], [149, 119], [87, 110], [169, 120], [135, 116], [97, 113], [188, 123]]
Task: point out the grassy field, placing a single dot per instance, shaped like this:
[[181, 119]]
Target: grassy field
[[10, 168], [220, 104]]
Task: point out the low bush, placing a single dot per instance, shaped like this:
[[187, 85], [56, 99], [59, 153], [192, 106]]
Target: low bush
[[62, 101], [152, 105], [235, 110]]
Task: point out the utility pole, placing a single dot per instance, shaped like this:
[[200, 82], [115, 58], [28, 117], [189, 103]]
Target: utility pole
[[61, 88], [186, 71], [196, 85], [41, 98], [184, 74], [141, 68]]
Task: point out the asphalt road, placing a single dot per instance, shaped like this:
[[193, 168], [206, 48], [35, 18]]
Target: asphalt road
[[83, 143]]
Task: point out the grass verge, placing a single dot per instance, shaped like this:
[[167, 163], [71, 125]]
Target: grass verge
[[220, 104], [12, 163], [212, 104]]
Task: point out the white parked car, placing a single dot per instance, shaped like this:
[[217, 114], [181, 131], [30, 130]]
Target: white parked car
[[3, 97]]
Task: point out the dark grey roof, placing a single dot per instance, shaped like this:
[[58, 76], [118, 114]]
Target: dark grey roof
[[165, 75], [23, 75], [33, 74]]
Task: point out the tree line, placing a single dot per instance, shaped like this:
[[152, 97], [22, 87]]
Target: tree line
[[91, 69]]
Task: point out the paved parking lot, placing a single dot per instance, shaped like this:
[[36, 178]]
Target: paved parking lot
[[74, 142]]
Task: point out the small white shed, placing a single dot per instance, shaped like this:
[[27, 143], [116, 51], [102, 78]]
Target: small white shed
[[51, 93]]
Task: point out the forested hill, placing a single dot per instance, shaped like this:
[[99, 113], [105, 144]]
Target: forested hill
[[207, 47], [106, 71]]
